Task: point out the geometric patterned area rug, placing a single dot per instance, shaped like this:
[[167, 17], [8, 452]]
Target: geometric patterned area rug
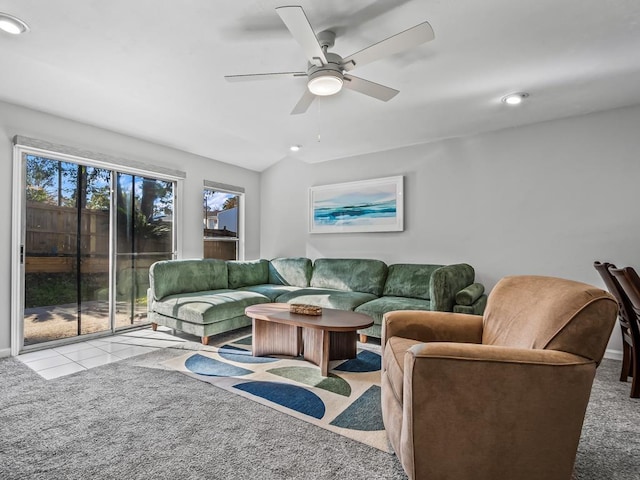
[[346, 402]]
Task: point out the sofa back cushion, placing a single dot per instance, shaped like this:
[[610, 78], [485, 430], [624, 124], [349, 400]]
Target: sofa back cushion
[[170, 277], [294, 272], [409, 280], [353, 275], [247, 273], [528, 311]]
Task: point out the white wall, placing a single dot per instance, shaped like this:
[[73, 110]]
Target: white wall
[[545, 199], [16, 120]]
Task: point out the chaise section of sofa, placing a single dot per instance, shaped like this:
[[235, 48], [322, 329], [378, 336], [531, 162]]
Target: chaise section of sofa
[[193, 296], [207, 297]]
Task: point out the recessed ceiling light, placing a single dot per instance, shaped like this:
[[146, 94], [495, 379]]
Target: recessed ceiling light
[[514, 98], [12, 25], [294, 148]]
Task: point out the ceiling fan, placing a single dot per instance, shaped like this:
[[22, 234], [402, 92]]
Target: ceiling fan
[[326, 71]]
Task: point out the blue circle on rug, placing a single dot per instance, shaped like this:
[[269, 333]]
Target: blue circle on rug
[[296, 398], [365, 361], [213, 368]]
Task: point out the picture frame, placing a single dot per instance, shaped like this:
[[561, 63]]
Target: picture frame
[[375, 205]]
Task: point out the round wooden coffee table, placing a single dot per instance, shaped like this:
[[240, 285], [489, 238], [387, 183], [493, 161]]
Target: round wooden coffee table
[[320, 338]]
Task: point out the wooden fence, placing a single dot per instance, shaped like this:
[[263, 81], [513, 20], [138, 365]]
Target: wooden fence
[[52, 230], [51, 240], [222, 249]]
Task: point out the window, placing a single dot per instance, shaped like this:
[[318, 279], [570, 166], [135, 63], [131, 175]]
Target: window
[[222, 222]]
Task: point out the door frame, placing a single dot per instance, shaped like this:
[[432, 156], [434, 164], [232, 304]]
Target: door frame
[[18, 222]]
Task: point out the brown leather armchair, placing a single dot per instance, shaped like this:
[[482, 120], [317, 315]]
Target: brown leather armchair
[[501, 396]]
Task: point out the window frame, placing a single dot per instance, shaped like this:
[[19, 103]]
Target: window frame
[[240, 193]]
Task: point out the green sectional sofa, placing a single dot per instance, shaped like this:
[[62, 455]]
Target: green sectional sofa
[[207, 297]]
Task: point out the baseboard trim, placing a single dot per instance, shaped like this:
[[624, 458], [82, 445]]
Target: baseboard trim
[[613, 354], [5, 352]]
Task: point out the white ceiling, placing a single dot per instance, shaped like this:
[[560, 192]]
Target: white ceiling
[[154, 70]]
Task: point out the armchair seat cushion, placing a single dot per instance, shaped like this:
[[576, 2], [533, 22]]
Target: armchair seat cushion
[[393, 359], [208, 306], [327, 297], [378, 307]]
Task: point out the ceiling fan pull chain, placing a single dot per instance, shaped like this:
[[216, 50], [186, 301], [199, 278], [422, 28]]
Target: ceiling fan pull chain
[[318, 116]]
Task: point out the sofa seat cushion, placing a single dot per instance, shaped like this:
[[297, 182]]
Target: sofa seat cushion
[[326, 297], [378, 307], [209, 306], [393, 362], [270, 290]]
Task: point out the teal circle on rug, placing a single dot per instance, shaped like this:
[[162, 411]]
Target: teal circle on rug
[[365, 361], [290, 396], [364, 414], [213, 368]]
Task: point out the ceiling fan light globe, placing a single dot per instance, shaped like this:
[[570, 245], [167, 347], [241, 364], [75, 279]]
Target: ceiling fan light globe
[[324, 85]]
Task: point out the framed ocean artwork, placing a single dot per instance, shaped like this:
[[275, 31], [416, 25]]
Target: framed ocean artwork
[[363, 206]]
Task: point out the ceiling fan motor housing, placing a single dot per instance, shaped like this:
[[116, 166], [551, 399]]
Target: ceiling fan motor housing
[[334, 64]]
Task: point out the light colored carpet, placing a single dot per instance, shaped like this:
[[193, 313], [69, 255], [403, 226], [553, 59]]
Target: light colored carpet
[[132, 420]]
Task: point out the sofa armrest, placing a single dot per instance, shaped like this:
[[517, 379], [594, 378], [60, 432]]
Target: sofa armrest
[[445, 282], [426, 326], [471, 398], [476, 308]]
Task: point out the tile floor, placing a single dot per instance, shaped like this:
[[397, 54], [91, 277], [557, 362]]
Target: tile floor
[[59, 361]]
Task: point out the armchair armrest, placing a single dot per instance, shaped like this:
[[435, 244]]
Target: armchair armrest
[[509, 406], [495, 353], [426, 326]]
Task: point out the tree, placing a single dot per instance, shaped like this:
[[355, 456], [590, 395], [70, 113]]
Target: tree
[[230, 202], [42, 179]]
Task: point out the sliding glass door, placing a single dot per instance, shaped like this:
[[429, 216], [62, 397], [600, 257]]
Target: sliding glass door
[[144, 235], [90, 235]]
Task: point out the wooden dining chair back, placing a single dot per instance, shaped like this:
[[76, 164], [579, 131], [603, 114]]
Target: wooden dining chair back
[[627, 284]]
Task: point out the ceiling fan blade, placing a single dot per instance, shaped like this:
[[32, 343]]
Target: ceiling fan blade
[[372, 89], [262, 76], [303, 104], [401, 41], [298, 24]]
